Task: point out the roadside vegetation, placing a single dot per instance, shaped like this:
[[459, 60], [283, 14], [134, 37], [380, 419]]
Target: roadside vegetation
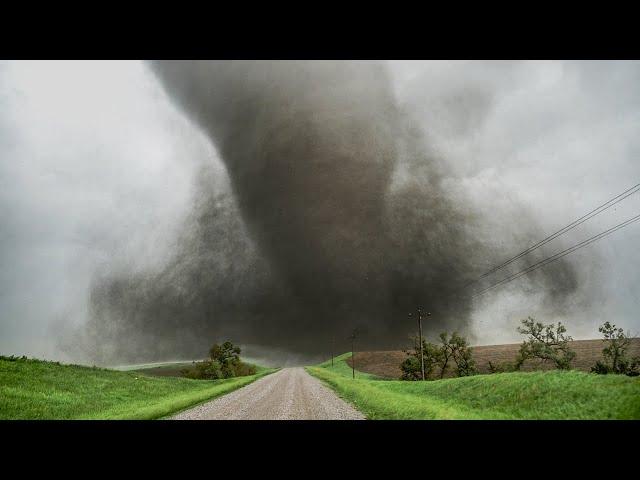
[[544, 346], [558, 394], [505, 393], [36, 389], [224, 362]]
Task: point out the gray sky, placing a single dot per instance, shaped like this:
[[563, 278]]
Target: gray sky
[[97, 166], [563, 137]]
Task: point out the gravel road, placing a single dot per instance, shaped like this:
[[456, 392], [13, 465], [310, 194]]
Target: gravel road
[[289, 394]]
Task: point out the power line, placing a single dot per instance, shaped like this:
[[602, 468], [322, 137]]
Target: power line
[[563, 230], [559, 255]]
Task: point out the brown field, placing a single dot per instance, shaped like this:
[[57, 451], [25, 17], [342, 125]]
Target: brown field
[[387, 363], [165, 371], [174, 369]]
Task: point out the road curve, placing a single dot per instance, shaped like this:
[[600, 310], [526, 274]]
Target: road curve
[[289, 394]]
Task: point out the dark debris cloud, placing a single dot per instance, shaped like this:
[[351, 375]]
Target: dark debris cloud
[[340, 216]]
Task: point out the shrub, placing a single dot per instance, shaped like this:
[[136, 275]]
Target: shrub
[[13, 358], [501, 367], [546, 343], [411, 368], [243, 369]]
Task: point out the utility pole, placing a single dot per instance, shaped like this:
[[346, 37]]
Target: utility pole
[[353, 355], [420, 340], [421, 349], [332, 342]]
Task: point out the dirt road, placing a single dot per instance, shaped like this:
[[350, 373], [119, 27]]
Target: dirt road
[[289, 394]]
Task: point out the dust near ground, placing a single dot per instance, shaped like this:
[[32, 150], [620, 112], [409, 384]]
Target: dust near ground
[[289, 394], [387, 363]]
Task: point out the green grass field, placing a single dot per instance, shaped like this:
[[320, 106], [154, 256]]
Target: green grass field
[[532, 395], [35, 389]]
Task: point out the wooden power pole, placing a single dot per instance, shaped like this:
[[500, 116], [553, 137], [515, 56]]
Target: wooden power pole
[[332, 348], [353, 355], [421, 349], [420, 340]]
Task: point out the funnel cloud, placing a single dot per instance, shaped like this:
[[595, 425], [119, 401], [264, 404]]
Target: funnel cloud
[[339, 216]]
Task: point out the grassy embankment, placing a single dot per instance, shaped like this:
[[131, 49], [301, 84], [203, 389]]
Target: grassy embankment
[[519, 395], [35, 389]]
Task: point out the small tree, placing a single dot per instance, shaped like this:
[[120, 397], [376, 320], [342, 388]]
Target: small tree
[[411, 366], [462, 355], [615, 353], [546, 343], [457, 349], [226, 354], [224, 362], [453, 349], [446, 353]]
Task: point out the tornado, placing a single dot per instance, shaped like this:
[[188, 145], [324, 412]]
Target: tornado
[[338, 219], [310, 148]]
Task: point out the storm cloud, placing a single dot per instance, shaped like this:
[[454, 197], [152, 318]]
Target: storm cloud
[[311, 149], [328, 196]]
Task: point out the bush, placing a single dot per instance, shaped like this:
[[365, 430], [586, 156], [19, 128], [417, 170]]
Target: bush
[[545, 343], [501, 367], [411, 368], [13, 358], [601, 368], [615, 353], [244, 369]]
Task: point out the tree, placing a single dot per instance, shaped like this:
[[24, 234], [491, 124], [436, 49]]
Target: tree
[[615, 353], [226, 354], [224, 362], [546, 343], [457, 349], [446, 353], [453, 349], [411, 367], [462, 355]]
